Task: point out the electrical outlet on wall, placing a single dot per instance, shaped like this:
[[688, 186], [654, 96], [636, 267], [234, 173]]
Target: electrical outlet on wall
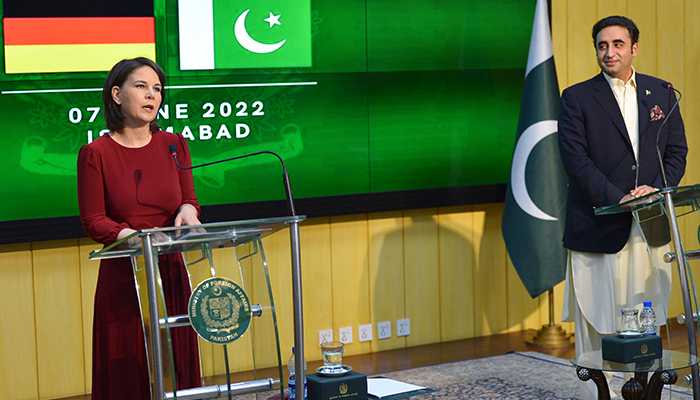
[[403, 327], [364, 333], [325, 336], [345, 335], [384, 330]]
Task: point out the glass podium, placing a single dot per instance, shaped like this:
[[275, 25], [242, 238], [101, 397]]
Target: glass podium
[[196, 243], [656, 215], [590, 365]]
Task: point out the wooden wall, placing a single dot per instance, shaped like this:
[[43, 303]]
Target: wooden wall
[[445, 269]]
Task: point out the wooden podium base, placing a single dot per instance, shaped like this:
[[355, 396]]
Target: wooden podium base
[[552, 336]]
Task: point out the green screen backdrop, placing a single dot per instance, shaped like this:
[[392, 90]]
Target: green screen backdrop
[[373, 97]]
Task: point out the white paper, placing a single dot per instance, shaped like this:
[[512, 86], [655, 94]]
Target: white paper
[[382, 387]]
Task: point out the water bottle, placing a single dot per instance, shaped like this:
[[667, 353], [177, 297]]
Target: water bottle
[[291, 383], [648, 319]]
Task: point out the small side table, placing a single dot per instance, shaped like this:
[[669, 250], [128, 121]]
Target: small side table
[[591, 365]]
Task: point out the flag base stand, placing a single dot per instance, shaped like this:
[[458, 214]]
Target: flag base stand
[[551, 335]]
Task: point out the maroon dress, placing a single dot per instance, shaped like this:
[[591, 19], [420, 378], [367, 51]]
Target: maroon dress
[[138, 188]]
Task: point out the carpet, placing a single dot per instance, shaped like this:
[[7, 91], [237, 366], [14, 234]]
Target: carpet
[[512, 376]]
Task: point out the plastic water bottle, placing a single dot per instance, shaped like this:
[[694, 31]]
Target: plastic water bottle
[[291, 383], [648, 319]]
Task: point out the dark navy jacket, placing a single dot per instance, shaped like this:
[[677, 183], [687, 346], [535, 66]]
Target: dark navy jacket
[[597, 154]]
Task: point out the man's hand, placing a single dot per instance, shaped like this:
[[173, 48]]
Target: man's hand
[[638, 192]]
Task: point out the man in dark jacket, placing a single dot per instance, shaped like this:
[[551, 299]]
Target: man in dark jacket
[[608, 129]]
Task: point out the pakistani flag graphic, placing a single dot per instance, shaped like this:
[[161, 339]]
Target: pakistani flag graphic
[[533, 215], [217, 34]]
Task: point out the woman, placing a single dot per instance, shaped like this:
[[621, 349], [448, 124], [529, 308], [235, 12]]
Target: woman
[[127, 181]]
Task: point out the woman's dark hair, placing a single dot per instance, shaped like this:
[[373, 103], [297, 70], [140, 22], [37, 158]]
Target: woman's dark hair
[[116, 77], [616, 20]]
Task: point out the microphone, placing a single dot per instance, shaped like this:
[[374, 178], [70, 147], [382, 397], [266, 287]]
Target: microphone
[[285, 174], [666, 85]]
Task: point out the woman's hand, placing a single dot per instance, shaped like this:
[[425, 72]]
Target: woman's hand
[[134, 241], [187, 216]]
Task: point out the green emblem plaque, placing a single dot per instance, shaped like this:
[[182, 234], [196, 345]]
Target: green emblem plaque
[[219, 310]]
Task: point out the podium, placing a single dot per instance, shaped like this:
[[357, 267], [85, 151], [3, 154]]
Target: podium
[[144, 247], [658, 212]]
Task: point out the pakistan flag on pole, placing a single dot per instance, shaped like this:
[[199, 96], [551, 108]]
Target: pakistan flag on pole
[[533, 215], [228, 34]]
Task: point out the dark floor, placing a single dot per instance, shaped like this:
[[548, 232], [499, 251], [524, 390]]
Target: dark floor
[[400, 359]]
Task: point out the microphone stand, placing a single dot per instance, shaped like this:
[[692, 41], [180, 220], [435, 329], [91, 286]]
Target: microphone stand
[[680, 254], [285, 174], [685, 292]]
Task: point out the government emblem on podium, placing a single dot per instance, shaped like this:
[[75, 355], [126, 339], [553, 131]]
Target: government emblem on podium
[[219, 310]]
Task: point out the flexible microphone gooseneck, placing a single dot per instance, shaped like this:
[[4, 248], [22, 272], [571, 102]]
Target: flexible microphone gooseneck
[[285, 174], [666, 85]]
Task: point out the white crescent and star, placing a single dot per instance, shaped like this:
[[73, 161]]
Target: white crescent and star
[[527, 141], [251, 44], [273, 20]]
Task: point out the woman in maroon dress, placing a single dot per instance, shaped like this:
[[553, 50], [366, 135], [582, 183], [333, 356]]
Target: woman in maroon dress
[[127, 181]]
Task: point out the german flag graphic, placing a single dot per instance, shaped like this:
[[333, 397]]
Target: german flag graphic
[[93, 38]]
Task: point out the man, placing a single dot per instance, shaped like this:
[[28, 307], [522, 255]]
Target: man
[[607, 137]]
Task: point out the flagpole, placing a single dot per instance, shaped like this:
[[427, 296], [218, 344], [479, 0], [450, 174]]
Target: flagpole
[[551, 335]]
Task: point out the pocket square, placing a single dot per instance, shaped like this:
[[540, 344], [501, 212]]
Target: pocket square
[[656, 114]]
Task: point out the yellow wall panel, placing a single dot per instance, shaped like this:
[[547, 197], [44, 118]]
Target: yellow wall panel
[[59, 321], [611, 7], [561, 32], [580, 51], [316, 285], [646, 61], [669, 57], [559, 28], [523, 310], [422, 276], [691, 108], [277, 254], [350, 280], [18, 350], [88, 282], [386, 279], [490, 297], [457, 260]]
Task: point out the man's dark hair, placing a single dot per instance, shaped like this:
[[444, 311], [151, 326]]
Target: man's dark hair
[[616, 20], [116, 77]]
